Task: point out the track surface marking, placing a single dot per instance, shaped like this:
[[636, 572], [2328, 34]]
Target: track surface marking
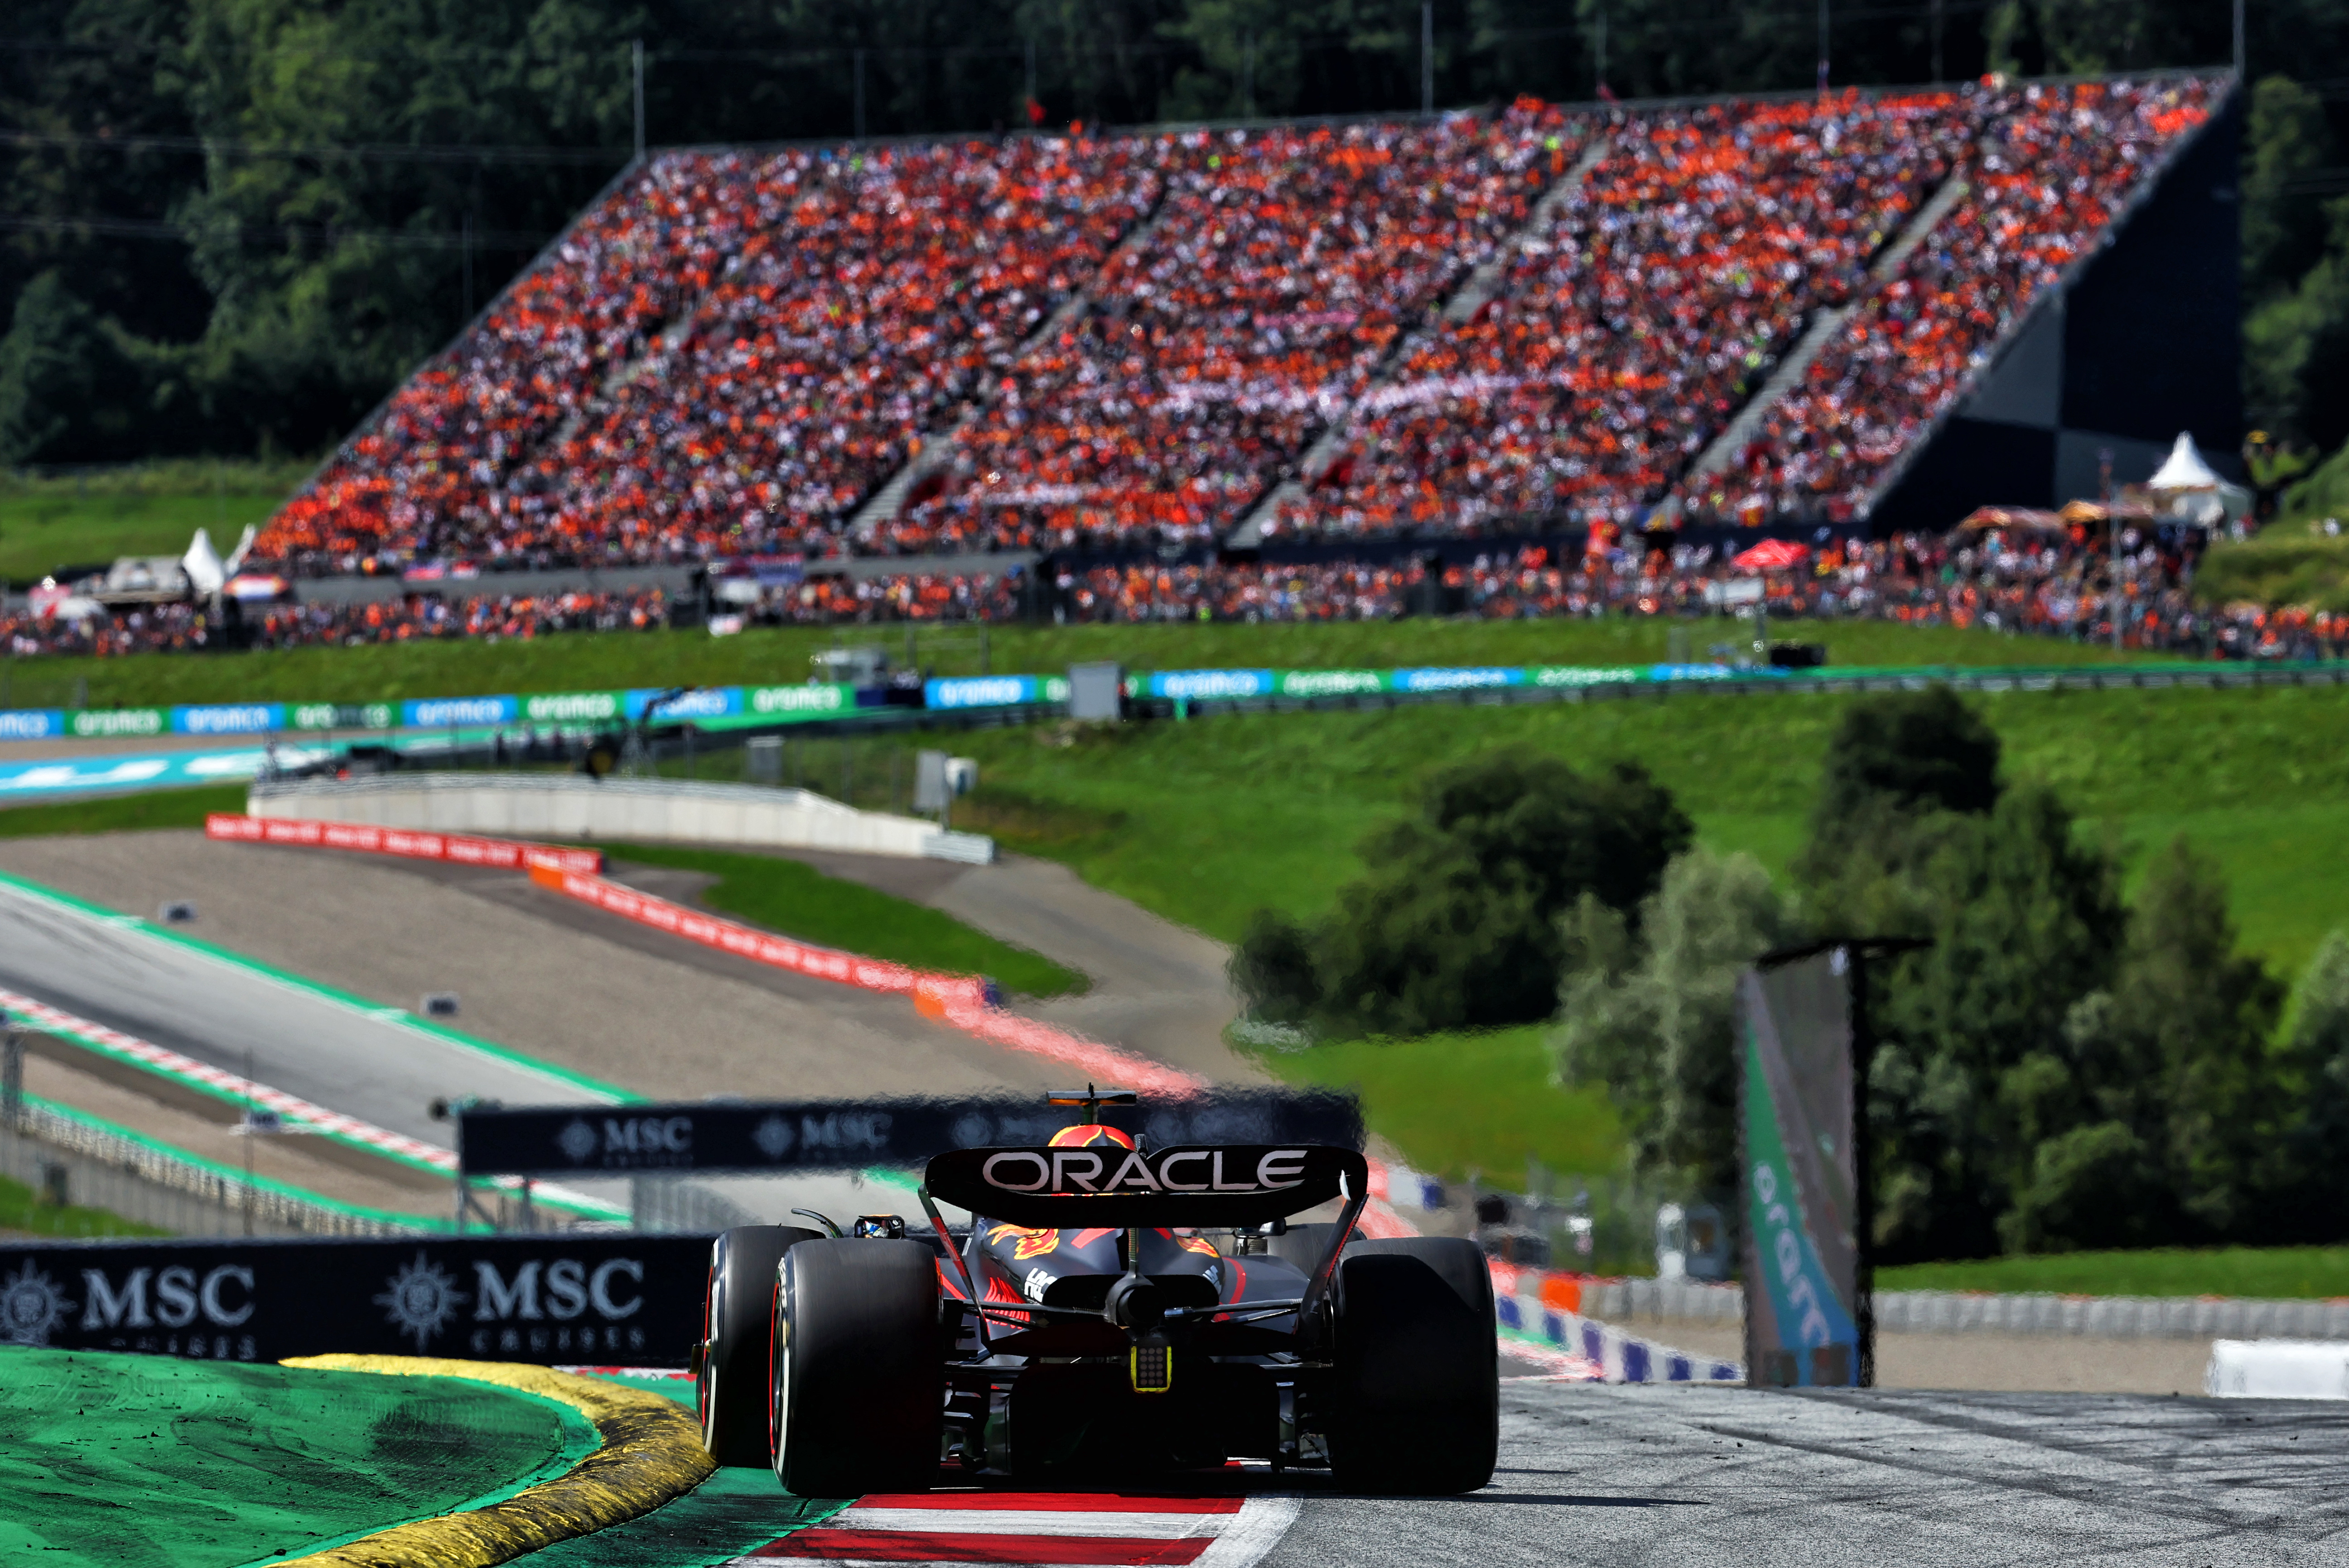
[[1059, 1528], [1596, 1475]]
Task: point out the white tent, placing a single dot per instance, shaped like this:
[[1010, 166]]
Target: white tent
[[243, 549], [2184, 469], [202, 564], [2194, 489]]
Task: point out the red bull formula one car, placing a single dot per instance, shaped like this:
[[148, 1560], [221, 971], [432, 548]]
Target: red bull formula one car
[[1114, 1310]]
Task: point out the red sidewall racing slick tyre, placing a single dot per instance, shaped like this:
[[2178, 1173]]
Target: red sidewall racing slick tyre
[[1416, 1392], [730, 1381], [858, 1390]]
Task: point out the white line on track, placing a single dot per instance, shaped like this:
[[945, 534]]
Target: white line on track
[[1021, 1521], [1066, 1530]]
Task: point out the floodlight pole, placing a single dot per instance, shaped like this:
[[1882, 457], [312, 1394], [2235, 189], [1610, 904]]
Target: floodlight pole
[[637, 71], [12, 1074], [2240, 51], [249, 1135], [2113, 524], [1427, 57], [1823, 46], [1863, 1203]]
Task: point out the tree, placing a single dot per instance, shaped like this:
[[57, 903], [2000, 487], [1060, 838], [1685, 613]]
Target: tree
[[1272, 968], [2166, 1122], [1917, 751], [1903, 770], [2316, 1069], [1658, 1031], [2024, 921], [2287, 139], [1456, 923], [68, 390]]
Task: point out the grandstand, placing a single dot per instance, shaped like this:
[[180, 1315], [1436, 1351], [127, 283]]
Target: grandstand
[[1850, 309]]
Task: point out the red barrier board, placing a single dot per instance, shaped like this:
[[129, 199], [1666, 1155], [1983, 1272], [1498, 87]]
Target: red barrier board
[[501, 854]]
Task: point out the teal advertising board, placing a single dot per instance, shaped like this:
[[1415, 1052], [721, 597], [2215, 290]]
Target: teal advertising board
[[1800, 1186]]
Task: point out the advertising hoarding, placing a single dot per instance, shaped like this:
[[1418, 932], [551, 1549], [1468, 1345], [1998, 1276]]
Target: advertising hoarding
[[1799, 1174]]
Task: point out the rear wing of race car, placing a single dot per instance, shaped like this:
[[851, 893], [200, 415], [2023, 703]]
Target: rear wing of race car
[[1208, 1186]]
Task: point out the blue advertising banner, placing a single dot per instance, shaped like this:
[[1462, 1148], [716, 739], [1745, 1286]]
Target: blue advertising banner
[[982, 691], [708, 702], [227, 718], [440, 713], [1799, 1174], [1194, 685], [31, 723]]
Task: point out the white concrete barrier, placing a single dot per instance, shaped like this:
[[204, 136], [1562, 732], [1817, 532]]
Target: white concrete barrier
[[570, 807], [2117, 1317], [2278, 1369], [1964, 1311]]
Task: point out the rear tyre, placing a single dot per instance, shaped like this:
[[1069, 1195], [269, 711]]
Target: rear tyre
[[731, 1373], [1416, 1381], [858, 1382]]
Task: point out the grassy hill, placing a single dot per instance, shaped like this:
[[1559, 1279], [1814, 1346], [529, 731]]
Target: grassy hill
[[147, 509], [2287, 564], [1206, 820]]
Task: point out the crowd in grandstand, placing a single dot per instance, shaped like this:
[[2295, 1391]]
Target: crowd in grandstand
[[2055, 165], [2024, 583], [187, 627], [734, 352], [1277, 274], [1687, 258]]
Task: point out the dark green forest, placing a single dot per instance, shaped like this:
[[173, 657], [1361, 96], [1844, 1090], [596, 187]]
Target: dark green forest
[[229, 226]]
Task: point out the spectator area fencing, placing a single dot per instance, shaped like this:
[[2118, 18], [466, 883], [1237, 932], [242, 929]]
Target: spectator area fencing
[[69, 1160], [1635, 1302]]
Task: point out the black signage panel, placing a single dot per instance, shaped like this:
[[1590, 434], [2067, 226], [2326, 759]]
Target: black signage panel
[[762, 1138], [1230, 1184], [555, 1299]]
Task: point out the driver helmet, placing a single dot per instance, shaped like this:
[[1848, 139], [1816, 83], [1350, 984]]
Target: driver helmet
[[1091, 1135]]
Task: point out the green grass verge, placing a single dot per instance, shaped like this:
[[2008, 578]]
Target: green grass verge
[[23, 1212], [122, 813], [148, 509], [1457, 1103], [798, 900], [2287, 564], [1203, 821], [585, 661], [113, 1458], [2282, 1273]]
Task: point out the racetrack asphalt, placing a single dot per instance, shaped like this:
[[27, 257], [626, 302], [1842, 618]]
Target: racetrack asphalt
[[344, 1057], [1694, 1475]]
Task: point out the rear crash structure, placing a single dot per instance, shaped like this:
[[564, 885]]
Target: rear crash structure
[[1111, 1311]]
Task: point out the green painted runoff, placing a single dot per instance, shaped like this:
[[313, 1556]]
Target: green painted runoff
[[113, 1458]]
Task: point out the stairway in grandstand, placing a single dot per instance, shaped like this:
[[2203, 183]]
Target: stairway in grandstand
[[1822, 329], [1465, 301], [1554, 410], [936, 448]]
